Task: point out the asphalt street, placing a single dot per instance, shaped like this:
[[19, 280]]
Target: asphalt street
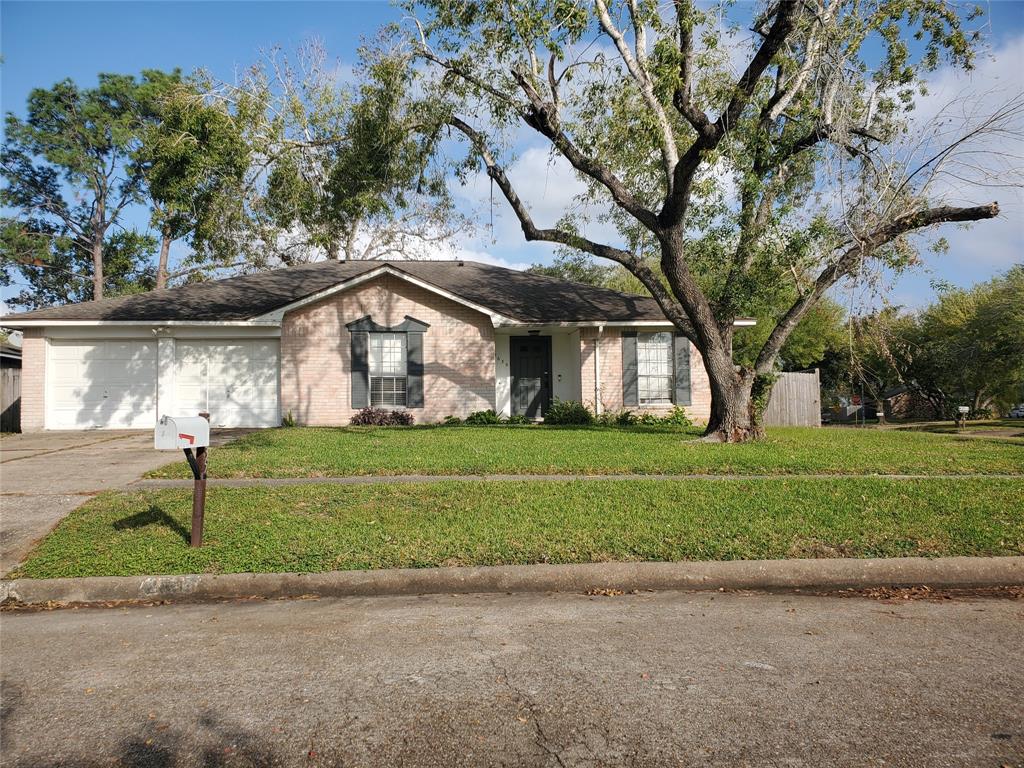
[[646, 679]]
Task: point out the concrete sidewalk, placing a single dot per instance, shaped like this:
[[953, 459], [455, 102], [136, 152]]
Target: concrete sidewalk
[[249, 482]]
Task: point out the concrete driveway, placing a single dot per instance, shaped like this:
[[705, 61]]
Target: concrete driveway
[[653, 679], [45, 475]]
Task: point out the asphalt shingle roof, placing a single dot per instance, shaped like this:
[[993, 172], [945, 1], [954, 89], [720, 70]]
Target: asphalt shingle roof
[[517, 295]]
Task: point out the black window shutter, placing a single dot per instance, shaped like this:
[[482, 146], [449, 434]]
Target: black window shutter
[[360, 369], [630, 394], [414, 370], [682, 358]]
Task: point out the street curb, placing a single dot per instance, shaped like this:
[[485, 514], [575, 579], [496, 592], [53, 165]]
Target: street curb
[[944, 572]]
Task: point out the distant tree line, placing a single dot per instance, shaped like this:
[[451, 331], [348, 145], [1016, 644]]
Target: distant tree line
[[966, 349]]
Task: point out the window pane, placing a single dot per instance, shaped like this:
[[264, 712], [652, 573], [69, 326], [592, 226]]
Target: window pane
[[387, 354], [387, 391], [654, 368]]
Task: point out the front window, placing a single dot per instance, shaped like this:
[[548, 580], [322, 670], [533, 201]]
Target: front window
[[387, 369], [654, 368]]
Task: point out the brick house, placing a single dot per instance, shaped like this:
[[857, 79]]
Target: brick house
[[320, 341]]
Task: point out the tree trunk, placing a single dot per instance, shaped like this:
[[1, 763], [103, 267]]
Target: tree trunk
[[734, 415], [161, 267], [880, 409], [97, 266]]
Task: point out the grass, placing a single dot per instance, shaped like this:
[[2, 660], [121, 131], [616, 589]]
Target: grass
[[332, 452], [452, 522]]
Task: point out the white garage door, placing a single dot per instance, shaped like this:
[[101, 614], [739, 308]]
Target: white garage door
[[101, 384], [235, 381]]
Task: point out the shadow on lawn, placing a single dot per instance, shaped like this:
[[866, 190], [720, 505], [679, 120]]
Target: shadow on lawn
[[152, 516]]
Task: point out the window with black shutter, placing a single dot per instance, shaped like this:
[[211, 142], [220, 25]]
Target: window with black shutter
[[388, 355]]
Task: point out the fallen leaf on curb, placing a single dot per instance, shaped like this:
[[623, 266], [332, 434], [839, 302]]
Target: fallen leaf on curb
[[598, 591]]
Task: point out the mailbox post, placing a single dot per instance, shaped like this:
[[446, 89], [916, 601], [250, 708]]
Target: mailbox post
[[192, 435], [961, 416]]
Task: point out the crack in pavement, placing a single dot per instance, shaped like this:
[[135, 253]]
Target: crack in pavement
[[525, 700]]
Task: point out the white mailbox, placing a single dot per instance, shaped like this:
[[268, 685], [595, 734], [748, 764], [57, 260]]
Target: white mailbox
[[176, 432]]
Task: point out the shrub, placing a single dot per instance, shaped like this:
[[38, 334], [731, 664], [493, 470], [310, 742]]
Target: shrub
[[677, 417], [378, 417], [481, 418], [451, 421], [288, 420], [517, 418], [625, 418], [615, 419], [568, 412]]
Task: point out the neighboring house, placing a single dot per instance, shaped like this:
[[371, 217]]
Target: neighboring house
[[320, 341], [10, 381], [901, 402]]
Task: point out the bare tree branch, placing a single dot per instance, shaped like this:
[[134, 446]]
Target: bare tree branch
[[712, 134], [542, 118], [636, 67], [644, 273], [848, 261]]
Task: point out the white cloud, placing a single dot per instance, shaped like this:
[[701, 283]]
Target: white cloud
[[549, 187], [957, 100]]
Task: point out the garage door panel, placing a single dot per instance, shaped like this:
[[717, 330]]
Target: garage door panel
[[236, 381], [264, 377], [266, 352], [101, 384]]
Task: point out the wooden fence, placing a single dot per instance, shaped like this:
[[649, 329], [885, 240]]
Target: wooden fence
[[10, 399], [795, 401]]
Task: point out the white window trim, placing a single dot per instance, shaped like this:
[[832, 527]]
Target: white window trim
[[378, 371]]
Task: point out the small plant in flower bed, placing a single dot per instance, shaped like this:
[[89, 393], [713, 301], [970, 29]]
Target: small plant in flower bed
[[677, 417], [615, 419], [517, 418], [451, 421], [378, 417], [482, 418], [568, 412]]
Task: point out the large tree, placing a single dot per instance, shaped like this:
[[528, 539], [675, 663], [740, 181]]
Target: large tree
[[341, 164], [728, 188], [192, 157], [68, 173]]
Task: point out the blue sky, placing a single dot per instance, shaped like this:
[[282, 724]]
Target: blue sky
[[43, 42]]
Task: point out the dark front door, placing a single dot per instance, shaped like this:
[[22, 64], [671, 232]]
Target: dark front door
[[531, 375]]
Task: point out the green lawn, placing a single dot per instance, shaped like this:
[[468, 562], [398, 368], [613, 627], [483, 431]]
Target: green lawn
[[332, 452], [328, 527]]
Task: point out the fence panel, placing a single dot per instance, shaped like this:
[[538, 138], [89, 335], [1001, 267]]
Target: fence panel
[[795, 401], [10, 399]]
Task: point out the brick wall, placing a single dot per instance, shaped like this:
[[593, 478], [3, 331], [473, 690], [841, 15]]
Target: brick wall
[[611, 376], [458, 352], [33, 380]]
